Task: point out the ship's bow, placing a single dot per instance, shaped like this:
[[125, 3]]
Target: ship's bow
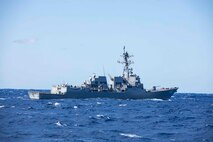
[[34, 95]]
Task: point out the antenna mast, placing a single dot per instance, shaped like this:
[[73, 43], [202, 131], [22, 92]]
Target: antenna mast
[[103, 70], [126, 71]]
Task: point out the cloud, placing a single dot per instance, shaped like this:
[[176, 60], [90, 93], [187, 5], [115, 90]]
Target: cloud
[[26, 41]]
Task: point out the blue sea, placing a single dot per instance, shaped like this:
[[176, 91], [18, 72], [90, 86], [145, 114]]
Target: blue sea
[[185, 117]]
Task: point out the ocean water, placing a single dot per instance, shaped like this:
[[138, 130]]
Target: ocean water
[[185, 117]]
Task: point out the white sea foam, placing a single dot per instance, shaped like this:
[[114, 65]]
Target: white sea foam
[[155, 99], [99, 115], [75, 107], [57, 104], [2, 98], [123, 105], [98, 103], [130, 135], [12, 106], [49, 103], [2, 106], [20, 97], [60, 124]]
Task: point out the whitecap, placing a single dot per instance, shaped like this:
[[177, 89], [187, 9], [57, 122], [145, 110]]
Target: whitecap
[[108, 118], [12, 106], [155, 99], [2, 98], [57, 104], [99, 115], [2, 106], [98, 103], [49, 103], [60, 124], [122, 105], [130, 135], [20, 97], [75, 107]]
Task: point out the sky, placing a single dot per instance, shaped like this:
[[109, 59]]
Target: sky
[[49, 42]]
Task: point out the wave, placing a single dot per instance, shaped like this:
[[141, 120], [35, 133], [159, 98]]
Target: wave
[[99, 103], [166, 133], [130, 135], [57, 104], [3, 99], [75, 107], [2, 106], [49, 103], [122, 105], [106, 118], [60, 124], [21, 97], [155, 99], [100, 116]]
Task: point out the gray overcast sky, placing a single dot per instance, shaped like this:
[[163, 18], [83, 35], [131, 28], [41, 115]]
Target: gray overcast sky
[[47, 42]]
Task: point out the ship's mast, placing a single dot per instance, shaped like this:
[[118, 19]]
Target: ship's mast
[[126, 71]]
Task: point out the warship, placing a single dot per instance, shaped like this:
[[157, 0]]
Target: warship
[[126, 86]]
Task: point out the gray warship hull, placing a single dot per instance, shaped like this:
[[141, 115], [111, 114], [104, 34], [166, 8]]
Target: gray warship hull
[[84, 94]]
